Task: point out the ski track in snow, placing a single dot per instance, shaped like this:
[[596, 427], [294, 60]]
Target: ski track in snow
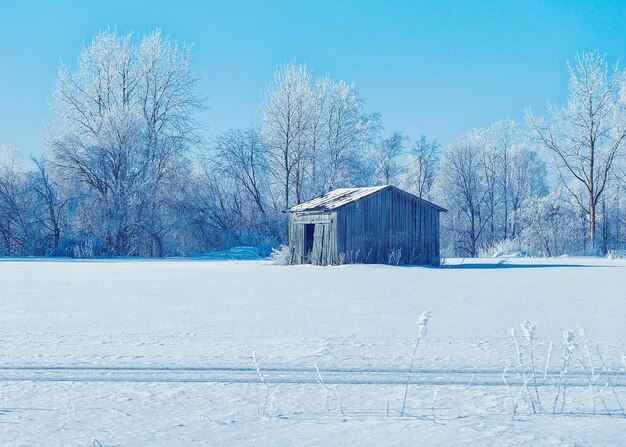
[[293, 375]]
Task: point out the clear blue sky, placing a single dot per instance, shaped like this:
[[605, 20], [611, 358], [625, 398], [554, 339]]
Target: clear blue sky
[[432, 67]]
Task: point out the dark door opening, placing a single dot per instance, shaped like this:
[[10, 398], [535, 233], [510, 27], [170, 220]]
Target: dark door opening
[[309, 232]]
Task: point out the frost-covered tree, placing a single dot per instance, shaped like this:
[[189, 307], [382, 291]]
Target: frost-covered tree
[[526, 179], [586, 135], [316, 132], [485, 177], [345, 128], [549, 226], [287, 120], [125, 118]]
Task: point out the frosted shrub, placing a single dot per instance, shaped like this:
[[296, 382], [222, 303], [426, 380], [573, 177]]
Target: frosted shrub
[[422, 324], [264, 244], [395, 256], [501, 248], [282, 255], [616, 254]]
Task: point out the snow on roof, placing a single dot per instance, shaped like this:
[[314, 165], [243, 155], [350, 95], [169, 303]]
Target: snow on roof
[[342, 196], [336, 198]]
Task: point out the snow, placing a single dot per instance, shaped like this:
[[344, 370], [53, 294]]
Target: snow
[[143, 352], [336, 198], [342, 196], [233, 254]]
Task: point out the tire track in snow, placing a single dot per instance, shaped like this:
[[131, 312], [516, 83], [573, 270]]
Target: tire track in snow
[[282, 375]]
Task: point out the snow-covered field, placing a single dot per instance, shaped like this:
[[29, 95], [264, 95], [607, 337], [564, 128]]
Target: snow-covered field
[[159, 353]]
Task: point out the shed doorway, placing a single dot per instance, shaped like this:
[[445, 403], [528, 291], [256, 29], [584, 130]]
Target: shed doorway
[[309, 232], [319, 244], [315, 242]]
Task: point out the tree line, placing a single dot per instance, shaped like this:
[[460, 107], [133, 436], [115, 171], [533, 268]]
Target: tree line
[[126, 170]]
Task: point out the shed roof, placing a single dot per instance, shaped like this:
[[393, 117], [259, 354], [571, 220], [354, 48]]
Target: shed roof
[[343, 196]]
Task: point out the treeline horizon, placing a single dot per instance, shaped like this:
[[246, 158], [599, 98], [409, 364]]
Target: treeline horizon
[[126, 172]]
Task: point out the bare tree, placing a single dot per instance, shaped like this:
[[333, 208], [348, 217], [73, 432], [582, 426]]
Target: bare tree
[[241, 156], [49, 206], [493, 170], [387, 151], [587, 134], [502, 136], [421, 167], [463, 191], [13, 206]]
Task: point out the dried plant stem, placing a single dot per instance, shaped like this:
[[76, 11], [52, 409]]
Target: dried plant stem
[[432, 406], [545, 369], [508, 389], [520, 362], [408, 376], [562, 383], [609, 381], [422, 327], [533, 373], [592, 380], [593, 388], [270, 394], [328, 391]]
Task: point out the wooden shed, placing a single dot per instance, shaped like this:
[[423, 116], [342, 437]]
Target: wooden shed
[[377, 225]]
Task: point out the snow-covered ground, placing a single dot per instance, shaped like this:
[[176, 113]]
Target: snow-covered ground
[[159, 352]]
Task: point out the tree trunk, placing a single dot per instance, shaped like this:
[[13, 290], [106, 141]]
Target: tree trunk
[[287, 189], [592, 221], [605, 229]]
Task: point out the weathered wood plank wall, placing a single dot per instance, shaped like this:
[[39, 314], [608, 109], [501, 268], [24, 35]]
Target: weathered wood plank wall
[[324, 244], [389, 226]]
